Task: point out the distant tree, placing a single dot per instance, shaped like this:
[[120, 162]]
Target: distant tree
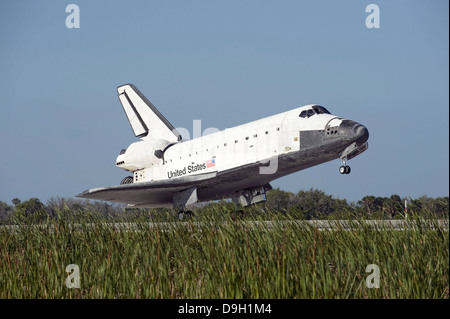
[[16, 201], [59, 205], [30, 211], [372, 205], [314, 203], [425, 206], [5, 211], [278, 200], [342, 209], [393, 206], [442, 206], [366, 203]]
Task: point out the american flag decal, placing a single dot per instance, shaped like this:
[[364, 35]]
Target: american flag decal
[[210, 163]]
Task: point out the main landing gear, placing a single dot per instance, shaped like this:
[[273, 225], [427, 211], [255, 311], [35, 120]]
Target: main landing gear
[[344, 169], [184, 215]]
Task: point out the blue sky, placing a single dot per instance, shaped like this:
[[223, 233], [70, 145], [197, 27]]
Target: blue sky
[[225, 63]]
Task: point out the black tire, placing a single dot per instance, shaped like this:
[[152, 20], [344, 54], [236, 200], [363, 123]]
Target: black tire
[[342, 169], [347, 170], [185, 215], [189, 214]]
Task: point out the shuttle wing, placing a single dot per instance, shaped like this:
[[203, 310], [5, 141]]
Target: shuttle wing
[[147, 194], [144, 118]]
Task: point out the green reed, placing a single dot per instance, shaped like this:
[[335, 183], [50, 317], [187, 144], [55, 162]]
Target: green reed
[[217, 256]]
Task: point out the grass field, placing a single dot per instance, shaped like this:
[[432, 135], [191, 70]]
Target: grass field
[[210, 258]]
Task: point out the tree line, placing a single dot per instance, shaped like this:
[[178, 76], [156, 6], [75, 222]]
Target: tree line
[[315, 204], [309, 204]]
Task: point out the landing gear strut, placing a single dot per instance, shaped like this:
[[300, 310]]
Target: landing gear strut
[[184, 199], [344, 169]]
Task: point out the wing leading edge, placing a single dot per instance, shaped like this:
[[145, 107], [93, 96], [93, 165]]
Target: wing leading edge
[[147, 194]]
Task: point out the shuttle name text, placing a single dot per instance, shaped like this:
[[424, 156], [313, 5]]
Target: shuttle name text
[[186, 170]]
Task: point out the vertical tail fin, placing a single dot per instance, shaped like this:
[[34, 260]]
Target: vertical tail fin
[[145, 120]]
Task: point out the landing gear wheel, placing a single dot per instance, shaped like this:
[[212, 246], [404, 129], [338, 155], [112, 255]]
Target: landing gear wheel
[[344, 169], [182, 215], [189, 214]]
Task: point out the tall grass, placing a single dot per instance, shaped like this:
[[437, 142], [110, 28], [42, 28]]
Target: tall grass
[[215, 256]]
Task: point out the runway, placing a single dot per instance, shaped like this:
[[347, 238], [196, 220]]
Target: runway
[[321, 225]]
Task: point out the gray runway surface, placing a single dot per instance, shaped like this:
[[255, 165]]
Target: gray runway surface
[[322, 225]]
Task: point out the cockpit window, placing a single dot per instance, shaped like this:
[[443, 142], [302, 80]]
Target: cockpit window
[[316, 109], [320, 109], [307, 113]]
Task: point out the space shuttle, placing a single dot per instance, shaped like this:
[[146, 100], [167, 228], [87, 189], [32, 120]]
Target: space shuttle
[[237, 163]]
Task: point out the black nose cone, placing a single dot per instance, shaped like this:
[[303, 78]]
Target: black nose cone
[[353, 132], [361, 134]]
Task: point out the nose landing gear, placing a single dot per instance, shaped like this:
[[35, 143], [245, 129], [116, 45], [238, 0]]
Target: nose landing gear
[[344, 169]]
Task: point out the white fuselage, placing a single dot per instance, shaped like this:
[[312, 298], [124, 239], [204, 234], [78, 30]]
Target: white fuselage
[[257, 141]]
